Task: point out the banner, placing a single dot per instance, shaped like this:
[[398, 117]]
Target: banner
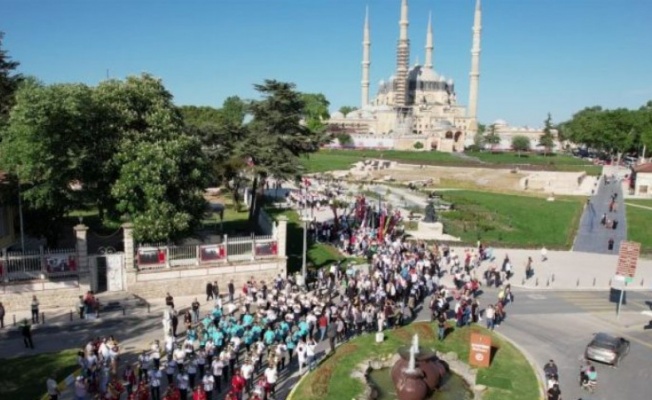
[[61, 262], [212, 252], [480, 354], [266, 249], [628, 258], [151, 255]]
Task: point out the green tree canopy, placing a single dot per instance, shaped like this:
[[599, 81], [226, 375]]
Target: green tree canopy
[[9, 81], [492, 137], [347, 109], [315, 110], [520, 143], [547, 139]]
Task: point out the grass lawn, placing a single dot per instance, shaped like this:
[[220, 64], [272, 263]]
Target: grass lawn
[[24, 377], [335, 159], [527, 158], [510, 376], [512, 220], [638, 224], [338, 159]]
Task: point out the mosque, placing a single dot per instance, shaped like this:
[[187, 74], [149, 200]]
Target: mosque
[[417, 104]]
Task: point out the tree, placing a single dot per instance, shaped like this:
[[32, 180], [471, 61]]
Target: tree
[[478, 141], [277, 139], [347, 109], [547, 139], [161, 187], [9, 81], [315, 110], [161, 170], [520, 143], [492, 138], [45, 146], [345, 139], [481, 128]]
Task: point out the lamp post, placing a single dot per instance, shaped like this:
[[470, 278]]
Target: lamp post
[[304, 272], [20, 217]]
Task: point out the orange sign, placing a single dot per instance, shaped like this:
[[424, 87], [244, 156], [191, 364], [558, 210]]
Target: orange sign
[[480, 354], [628, 258]]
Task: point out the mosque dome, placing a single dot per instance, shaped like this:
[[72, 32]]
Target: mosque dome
[[450, 82], [500, 122], [337, 115], [428, 75], [366, 114], [355, 114], [442, 78], [383, 108]]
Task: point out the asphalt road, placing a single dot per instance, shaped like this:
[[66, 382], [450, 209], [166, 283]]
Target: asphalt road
[[559, 324]]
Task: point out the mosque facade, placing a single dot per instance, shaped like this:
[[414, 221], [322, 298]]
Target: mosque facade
[[416, 104]]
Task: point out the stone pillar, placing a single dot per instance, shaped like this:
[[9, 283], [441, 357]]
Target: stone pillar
[[282, 235], [128, 239], [82, 247]]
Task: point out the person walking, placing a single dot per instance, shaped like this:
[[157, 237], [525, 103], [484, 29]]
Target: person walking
[[331, 332], [231, 290], [35, 305], [26, 331], [2, 315], [155, 377], [209, 291], [52, 388]]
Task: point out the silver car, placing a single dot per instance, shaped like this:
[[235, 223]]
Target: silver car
[[607, 349]]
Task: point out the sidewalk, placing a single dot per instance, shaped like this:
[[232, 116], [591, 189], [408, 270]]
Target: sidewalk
[[565, 270], [591, 235]]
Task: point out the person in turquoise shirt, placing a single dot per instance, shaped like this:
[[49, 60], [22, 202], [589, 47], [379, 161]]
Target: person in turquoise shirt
[[248, 339], [218, 338], [269, 336], [207, 321], [256, 331], [291, 344], [285, 328], [247, 320]]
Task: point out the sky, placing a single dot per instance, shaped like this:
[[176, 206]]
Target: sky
[[538, 56]]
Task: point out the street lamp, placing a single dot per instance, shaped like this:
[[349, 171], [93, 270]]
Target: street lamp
[[305, 219]]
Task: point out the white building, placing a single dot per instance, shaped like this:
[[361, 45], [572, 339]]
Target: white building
[[415, 104]]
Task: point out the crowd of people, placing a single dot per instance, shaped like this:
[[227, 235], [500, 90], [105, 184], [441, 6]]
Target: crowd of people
[[242, 344]]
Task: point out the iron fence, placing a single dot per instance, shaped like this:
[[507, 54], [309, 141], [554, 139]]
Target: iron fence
[[39, 264]]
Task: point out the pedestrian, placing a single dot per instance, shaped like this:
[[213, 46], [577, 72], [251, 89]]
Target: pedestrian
[[81, 306], [216, 290], [52, 388], [169, 300], [195, 311], [35, 305], [610, 244], [544, 254], [489, 315], [209, 291], [129, 376], [237, 385], [2, 315], [208, 382], [26, 331], [155, 377], [554, 393], [183, 383], [231, 290], [331, 332], [441, 324], [81, 388], [199, 393]]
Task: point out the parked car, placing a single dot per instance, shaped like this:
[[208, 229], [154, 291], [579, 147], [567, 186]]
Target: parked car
[[607, 349]]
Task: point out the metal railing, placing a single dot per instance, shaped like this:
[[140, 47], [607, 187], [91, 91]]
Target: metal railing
[[160, 256], [39, 264]]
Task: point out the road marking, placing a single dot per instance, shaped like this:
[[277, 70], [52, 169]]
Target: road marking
[[536, 296], [648, 313]]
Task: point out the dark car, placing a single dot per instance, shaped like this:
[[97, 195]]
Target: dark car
[[607, 349]]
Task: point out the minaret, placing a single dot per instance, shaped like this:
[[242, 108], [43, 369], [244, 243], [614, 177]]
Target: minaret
[[366, 46], [475, 69], [429, 45], [402, 58]]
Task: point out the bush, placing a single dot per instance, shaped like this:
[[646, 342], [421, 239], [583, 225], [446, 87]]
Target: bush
[[344, 139], [418, 145]]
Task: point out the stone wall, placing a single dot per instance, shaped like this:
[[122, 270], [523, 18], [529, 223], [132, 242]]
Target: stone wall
[[192, 281], [65, 293]]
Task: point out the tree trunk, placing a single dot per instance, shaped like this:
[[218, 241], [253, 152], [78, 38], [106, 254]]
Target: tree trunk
[[258, 200]]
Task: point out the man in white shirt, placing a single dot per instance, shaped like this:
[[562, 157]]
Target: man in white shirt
[[155, 377], [208, 383], [247, 371], [217, 366], [271, 374], [183, 383], [53, 390]]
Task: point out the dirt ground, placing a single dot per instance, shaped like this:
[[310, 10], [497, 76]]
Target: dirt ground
[[455, 177]]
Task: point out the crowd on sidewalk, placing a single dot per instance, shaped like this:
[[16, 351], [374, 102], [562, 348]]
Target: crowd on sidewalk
[[246, 340]]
